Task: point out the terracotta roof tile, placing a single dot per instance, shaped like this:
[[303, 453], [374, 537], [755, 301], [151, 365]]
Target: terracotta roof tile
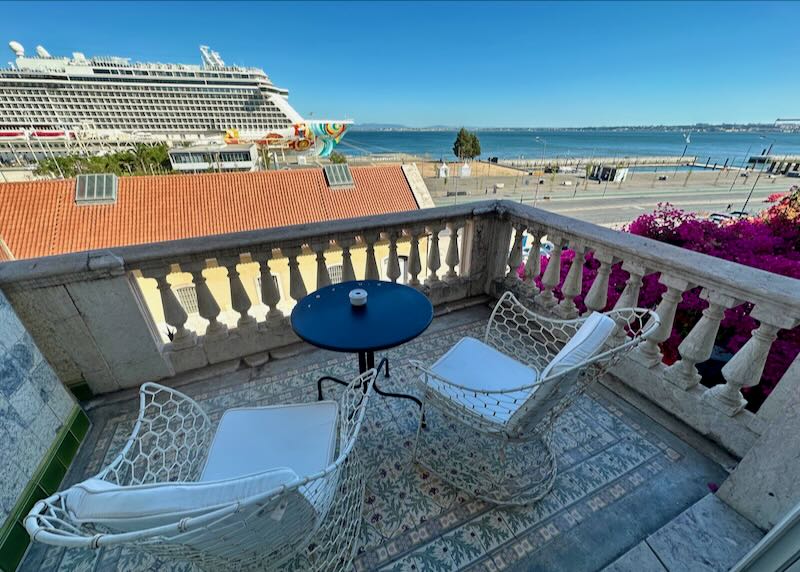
[[41, 218]]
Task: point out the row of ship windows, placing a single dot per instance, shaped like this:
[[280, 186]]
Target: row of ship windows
[[171, 73], [223, 157], [127, 101], [147, 120], [155, 88], [139, 118], [139, 108], [28, 81], [120, 106], [172, 106], [136, 97], [102, 89]]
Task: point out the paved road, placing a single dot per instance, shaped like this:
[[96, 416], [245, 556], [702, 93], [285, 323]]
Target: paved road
[[620, 206]]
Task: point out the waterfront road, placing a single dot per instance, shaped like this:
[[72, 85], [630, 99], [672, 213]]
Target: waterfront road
[[615, 206]]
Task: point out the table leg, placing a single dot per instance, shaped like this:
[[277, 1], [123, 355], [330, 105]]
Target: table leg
[[362, 362], [366, 361], [384, 364]]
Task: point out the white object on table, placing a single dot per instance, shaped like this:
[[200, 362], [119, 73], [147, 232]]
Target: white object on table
[[358, 297]]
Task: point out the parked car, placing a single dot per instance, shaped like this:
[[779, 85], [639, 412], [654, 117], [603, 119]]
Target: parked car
[[719, 217]]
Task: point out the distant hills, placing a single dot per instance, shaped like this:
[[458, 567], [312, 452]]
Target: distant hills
[[697, 127]]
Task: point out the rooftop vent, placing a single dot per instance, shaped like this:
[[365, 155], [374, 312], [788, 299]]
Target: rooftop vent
[[96, 189], [338, 175]]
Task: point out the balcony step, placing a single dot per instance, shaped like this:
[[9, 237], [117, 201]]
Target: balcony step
[[709, 536]]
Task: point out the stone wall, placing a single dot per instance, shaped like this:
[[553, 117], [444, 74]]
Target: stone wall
[[35, 413]]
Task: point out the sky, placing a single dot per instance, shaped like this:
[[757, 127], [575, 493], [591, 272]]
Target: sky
[[482, 64]]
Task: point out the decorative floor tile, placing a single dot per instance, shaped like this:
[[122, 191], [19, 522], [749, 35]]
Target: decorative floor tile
[[413, 520]]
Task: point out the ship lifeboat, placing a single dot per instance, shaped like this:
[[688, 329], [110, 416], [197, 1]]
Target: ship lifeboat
[[12, 136], [53, 135]]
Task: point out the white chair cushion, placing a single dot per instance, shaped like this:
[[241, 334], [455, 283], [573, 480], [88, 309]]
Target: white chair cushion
[[473, 364], [130, 508], [586, 342], [301, 437], [591, 336]]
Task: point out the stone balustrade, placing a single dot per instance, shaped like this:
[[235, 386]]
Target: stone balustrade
[[88, 313], [719, 411]]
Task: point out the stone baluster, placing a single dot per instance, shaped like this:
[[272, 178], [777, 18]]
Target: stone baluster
[[434, 261], [648, 353], [348, 272], [633, 285], [240, 301], [371, 268], [597, 296], [452, 257], [573, 283], [533, 264], [515, 254], [551, 276], [323, 278], [297, 288], [414, 259], [630, 294], [207, 305], [174, 313], [270, 295], [747, 366], [699, 343], [393, 263]]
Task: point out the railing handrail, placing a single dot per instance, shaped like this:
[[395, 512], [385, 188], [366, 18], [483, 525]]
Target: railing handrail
[[742, 282], [175, 251]]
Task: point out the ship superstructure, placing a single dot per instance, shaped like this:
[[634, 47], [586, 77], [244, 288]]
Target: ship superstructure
[[80, 99]]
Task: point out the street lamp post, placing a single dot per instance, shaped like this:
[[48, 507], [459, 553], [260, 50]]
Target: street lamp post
[[538, 178], [753, 188], [687, 139], [744, 164]]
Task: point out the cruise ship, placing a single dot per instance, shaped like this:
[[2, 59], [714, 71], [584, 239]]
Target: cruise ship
[[52, 104]]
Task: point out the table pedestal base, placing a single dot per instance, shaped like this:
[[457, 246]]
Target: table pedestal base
[[366, 361]]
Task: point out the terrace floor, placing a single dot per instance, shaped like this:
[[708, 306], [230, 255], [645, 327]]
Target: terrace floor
[[621, 476]]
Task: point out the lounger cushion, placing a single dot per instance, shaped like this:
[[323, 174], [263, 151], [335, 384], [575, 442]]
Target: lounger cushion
[[475, 365], [139, 507], [587, 342], [583, 345], [301, 437]]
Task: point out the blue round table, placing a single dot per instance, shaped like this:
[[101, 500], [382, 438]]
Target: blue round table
[[393, 315]]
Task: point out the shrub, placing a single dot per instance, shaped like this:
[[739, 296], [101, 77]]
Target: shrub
[[769, 241], [336, 157]]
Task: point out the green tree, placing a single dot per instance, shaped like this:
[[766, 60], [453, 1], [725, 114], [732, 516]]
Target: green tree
[[467, 145], [141, 160], [475, 146], [337, 157]]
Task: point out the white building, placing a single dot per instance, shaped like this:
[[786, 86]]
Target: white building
[[215, 158]]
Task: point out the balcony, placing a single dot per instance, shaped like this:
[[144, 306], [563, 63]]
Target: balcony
[[636, 454]]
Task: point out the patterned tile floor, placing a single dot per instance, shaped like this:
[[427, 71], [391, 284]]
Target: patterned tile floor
[[621, 476]]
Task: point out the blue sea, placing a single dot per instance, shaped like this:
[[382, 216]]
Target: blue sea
[[715, 147]]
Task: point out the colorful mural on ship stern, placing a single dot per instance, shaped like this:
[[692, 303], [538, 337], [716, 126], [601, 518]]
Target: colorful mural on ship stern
[[321, 136]]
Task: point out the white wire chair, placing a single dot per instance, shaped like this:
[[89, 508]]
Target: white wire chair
[[310, 523], [491, 435]]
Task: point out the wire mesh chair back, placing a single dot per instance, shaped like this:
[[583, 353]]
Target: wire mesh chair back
[[313, 522], [523, 415]]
